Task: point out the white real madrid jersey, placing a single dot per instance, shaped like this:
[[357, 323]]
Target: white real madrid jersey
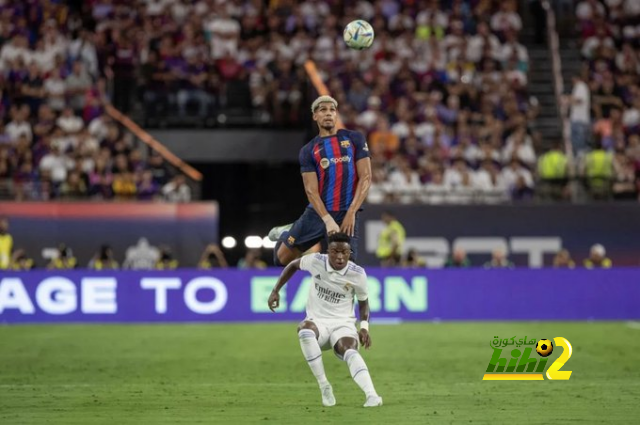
[[332, 291]]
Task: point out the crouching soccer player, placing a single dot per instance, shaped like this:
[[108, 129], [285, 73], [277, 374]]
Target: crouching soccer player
[[330, 322]]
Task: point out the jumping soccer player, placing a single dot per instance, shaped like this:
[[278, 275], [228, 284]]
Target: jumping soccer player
[[336, 172], [330, 322]]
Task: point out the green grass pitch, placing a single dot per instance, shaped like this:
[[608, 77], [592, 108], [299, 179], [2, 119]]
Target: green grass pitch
[[255, 373]]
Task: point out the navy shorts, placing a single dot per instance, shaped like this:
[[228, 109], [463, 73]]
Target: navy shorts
[[309, 229]]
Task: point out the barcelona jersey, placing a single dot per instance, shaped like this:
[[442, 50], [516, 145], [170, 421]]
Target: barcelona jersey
[[333, 159]]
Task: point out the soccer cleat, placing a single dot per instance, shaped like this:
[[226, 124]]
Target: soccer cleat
[[327, 396], [373, 401], [276, 232]]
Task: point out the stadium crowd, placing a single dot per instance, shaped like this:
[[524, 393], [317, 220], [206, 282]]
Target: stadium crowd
[[442, 95], [605, 98], [56, 141]]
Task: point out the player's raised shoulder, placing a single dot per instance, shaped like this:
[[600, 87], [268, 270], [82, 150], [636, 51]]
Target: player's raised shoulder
[[319, 257], [307, 262], [356, 268]]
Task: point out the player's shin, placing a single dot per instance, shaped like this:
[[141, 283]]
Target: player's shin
[[359, 372], [313, 354]]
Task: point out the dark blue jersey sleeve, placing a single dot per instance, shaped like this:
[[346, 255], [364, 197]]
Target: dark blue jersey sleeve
[[359, 142], [306, 159]]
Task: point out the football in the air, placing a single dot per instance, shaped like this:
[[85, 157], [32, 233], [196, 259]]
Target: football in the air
[[358, 34], [544, 347]]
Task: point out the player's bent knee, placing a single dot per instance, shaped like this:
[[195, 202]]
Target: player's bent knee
[[344, 344], [310, 326]]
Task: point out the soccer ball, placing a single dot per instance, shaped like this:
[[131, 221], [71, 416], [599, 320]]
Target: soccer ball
[[358, 34], [544, 347]]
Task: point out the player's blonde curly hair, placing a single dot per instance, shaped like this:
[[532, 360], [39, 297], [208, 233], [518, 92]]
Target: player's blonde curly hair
[[323, 99]]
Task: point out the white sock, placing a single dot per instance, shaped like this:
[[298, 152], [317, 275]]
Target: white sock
[[313, 354], [359, 372]]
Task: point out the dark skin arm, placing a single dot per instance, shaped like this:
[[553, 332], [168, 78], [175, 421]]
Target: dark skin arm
[[287, 273], [365, 338], [363, 167], [310, 180]]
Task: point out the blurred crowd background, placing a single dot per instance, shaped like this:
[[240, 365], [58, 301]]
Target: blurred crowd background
[[444, 94]]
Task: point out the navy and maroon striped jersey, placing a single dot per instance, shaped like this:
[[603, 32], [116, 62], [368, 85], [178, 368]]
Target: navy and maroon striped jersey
[[333, 159]]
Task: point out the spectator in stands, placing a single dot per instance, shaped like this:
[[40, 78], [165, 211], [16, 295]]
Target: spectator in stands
[[73, 187], [380, 189], [177, 190], [597, 258], [436, 192], [103, 259], [19, 125], [507, 18], [499, 260], [194, 87], [390, 241], [124, 186], [358, 95], [55, 165], [55, 90], [124, 61], [563, 260], [369, 117], [251, 260], [385, 137], [597, 168], [69, 123], [588, 10], [20, 261], [6, 243], [413, 260], [100, 180], [142, 256], [519, 145], [518, 180], [553, 172], [147, 189], [64, 260], [458, 259], [624, 185], [404, 182], [224, 33], [32, 89], [159, 169], [166, 260], [633, 149], [77, 84], [212, 258]]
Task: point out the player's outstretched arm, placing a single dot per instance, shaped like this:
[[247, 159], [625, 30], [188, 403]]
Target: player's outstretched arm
[[363, 333], [310, 181], [363, 168], [287, 273]]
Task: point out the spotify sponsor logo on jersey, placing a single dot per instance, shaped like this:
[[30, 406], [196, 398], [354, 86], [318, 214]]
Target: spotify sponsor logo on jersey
[[325, 162]]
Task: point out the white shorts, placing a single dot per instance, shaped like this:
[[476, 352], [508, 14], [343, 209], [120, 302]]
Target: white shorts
[[330, 332]]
